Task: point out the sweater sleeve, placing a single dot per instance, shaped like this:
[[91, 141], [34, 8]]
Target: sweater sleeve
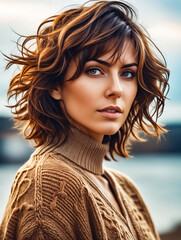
[[47, 202]]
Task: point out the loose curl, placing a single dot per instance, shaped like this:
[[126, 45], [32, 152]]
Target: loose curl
[[85, 32]]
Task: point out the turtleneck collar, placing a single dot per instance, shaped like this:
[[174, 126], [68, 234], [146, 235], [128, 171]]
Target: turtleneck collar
[[83, 150]]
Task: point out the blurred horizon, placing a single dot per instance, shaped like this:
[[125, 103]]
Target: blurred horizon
[[161, 18]]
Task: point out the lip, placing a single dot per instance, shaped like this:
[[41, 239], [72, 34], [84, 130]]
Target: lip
[[116, 112], [116, 108]]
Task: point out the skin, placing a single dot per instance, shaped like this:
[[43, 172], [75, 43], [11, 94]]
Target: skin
[[100, 85]]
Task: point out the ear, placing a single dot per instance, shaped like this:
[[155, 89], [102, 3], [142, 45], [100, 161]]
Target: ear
[[56, 93]]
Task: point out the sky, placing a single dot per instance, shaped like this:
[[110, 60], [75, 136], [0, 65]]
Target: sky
[[161, 18]]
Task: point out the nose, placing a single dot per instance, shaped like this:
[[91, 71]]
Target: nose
[[114, 89]]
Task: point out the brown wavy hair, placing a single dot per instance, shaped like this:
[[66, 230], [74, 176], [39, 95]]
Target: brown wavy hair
[[86, 32]]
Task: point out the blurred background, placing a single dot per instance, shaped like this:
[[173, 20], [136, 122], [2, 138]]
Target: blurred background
[[156, 167]]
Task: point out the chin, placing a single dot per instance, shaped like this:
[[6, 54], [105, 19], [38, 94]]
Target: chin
[[111, 130]]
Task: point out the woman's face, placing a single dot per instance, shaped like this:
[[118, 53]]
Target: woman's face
[[99, 100]]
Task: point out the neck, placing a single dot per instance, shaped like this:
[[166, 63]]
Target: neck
[[83, 150]]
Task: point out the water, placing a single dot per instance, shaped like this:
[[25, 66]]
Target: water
[[158, 178]]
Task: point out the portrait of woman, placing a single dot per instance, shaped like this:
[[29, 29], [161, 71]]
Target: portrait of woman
[[89, 82]]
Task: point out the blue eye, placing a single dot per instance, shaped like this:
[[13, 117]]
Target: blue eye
[[128, 74], [94, 71]]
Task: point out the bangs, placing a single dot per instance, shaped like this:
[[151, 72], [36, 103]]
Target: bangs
[[105, 31], [114, 44]]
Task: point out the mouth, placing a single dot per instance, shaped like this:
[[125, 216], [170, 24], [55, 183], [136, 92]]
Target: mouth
[[112, 112], [111, 109]]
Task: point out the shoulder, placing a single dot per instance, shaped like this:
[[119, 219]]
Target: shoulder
[[55, 168], [45, 172], [45, 175], [45, 195], [57, 178]]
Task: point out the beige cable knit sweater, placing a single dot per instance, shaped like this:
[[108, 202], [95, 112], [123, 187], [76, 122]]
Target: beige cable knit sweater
[[53, 199]]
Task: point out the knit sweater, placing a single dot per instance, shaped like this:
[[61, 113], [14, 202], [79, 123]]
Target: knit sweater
[[53, 199]]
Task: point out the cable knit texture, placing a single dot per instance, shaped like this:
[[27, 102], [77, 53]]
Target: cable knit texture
[[53, 199]]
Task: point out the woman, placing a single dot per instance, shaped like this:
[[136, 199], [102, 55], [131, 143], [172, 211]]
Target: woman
[[84, 90]]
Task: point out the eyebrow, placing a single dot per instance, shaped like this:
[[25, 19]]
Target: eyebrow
[[109, 64]]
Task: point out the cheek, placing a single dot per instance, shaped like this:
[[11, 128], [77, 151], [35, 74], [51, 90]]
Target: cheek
[[79, 95], [131, 94]]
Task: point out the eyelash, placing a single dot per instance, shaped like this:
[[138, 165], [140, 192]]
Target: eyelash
[[88, 71]]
